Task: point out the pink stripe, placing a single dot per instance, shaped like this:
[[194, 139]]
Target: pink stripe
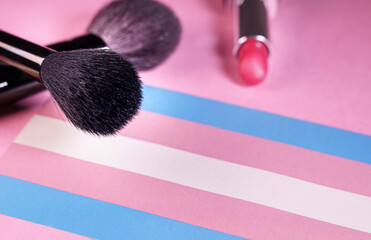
[[13, 228], [315, 167], [13, 117], [166, 199]]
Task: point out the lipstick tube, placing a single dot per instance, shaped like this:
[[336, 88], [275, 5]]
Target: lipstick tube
[[252, 22]]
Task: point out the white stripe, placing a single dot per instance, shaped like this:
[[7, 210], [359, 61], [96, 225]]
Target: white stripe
[[237, 181]]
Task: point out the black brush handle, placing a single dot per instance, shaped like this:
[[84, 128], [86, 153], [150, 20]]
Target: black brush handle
[[14, 84], [22, 54], [83, 42]]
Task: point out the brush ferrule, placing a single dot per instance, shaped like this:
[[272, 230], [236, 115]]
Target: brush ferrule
[[83, 42], [22, 54]]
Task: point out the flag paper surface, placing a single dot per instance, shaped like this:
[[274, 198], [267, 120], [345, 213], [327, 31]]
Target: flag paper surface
[[207, 157]]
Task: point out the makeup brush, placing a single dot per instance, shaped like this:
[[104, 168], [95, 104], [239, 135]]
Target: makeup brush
[[98, 90], [145, 32]]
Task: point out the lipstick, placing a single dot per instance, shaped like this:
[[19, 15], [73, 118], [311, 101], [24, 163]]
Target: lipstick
[[252, 47]]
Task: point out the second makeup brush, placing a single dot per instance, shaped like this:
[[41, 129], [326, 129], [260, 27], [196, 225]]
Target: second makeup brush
[[145, 32]]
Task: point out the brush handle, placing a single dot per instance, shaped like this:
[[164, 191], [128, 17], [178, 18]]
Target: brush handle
[[15, 84], [83, 42], [22, 54]]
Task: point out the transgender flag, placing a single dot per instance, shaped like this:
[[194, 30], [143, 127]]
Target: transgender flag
[[191, 169]]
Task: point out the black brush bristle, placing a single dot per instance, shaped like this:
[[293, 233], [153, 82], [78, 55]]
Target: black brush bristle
[[144, 31], [98, 90]]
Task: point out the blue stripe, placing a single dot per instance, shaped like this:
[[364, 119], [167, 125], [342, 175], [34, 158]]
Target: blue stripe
[[261, 124], [90, 217]]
